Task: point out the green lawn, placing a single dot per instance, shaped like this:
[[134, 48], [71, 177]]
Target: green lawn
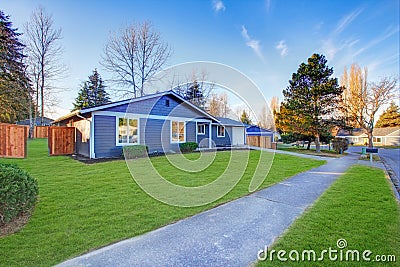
[[82, 207], [311, 151], [359, 207]]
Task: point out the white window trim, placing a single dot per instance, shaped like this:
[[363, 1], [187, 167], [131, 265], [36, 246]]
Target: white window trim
[[117, 143], [218, 135], [204, 128], [184, 132]]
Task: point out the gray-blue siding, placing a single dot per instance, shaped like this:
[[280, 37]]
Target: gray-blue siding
[[105, 137], [158, 106], [204, 137], [156, 134], [153, 133], [222, 141]]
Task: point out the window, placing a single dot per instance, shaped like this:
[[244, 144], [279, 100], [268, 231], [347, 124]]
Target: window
[[201, 129], [177, 131], [220, 131], [128, 131], [377, 140], [167, 102]]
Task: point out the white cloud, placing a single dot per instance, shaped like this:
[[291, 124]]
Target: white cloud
[[218, 5], [388, 33], [252, 43], [282, 48], [268, 5], [331, 45], [346, 20]]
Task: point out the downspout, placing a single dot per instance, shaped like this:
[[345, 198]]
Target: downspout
[[209, 135]]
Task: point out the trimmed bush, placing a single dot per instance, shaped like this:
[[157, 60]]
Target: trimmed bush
[[340, 144], [136, 151], [18, 192], [188, 147]]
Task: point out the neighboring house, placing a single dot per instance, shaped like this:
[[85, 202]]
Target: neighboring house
[[389, 136], [255, 136], [161, 121], [254, 130], [46, 122]]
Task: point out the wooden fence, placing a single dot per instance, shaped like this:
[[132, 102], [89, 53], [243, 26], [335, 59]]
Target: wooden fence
[[13, 140], [41, 132], [61, 140], [259, 141]]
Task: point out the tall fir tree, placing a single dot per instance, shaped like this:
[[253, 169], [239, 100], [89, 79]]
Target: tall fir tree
[[92, 93], [245, 118], [14, 85], [312, 98], [390, 117]]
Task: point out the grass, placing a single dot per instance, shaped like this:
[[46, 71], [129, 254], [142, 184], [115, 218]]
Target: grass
[[304, 150], [375, 157], [359, 207], [85, 206]]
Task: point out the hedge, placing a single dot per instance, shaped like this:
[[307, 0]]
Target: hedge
[[188, 147], [136, 151], [18, 192]]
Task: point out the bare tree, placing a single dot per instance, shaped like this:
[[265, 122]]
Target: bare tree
[[266, 119], [361, 101], [134, 55], [44, 51], [197, 89], [275, 105], [218, 105]]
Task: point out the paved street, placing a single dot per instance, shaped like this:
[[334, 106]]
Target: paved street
[[392, 157]]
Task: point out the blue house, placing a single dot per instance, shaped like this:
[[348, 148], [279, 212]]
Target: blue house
[[160, 121], [254, 130]]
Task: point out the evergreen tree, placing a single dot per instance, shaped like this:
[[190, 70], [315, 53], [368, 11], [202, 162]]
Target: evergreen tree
[[92, 93], [14, 84], [245, 118], [312, 98], [390, 117]]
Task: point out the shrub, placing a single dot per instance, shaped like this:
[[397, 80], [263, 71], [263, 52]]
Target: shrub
[[340, 144], [18, 192], [136, 151], [188, 147]]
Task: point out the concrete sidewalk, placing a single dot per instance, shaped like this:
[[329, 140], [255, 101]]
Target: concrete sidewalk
[[228, 235]]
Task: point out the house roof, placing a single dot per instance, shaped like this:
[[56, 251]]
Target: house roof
[[133, 100], [376, 132], [47, 121], [353, 132], [385, 131], [256, 128], [230, 122]]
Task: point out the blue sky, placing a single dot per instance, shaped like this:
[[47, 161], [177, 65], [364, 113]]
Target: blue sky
[[265, 39]]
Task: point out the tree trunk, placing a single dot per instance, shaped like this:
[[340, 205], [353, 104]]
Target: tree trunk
[[308, 145], [317, 144], [42, 90], [370, 143]]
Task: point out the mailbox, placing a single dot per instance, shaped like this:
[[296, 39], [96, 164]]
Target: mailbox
[[372, 150]]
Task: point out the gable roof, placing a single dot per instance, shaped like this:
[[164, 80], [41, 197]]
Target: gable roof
[[230, 122], [385, 131], [46, 121], [376, 132], [256, 128], [134, 100]]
